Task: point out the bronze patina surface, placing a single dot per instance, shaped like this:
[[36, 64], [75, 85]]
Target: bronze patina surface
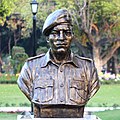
[[59, 83]]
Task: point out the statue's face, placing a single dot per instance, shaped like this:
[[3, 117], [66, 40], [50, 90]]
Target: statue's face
[[60, 38]]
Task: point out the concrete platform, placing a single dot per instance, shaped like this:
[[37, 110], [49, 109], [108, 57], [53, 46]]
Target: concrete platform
[[28, 116], [88, 117]]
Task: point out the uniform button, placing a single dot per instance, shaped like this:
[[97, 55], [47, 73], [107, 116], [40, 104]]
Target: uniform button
[[61, 85], [62, 100]]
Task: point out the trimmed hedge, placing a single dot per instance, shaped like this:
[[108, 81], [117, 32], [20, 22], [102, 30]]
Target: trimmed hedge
[[8, 79]]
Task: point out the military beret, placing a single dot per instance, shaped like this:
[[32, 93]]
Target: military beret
[[57, 17]]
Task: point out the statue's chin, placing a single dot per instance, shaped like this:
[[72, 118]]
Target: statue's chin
[[61, 51]]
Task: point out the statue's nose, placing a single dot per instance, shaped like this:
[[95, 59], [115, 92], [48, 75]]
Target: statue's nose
[[61, 35]]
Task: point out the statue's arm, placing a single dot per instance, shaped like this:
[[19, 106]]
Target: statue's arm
[[94, 83], [25, 81]]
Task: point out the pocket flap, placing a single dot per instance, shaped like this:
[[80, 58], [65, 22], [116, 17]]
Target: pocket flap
[[77, 84], [44, 83]]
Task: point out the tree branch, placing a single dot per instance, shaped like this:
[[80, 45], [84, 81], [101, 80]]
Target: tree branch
[[76, 19], [91, 22], [109, 53], [83, 49], [88, 14]]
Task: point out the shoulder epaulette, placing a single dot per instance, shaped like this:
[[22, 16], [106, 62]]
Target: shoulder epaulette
[[35, 57], [84, 58]]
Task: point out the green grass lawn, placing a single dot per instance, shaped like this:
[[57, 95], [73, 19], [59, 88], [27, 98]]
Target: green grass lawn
[[108, 95], [109, 115], [10, 95], [8, 116]]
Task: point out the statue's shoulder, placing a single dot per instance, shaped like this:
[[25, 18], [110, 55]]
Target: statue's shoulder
[[84, 58], [36, 57]]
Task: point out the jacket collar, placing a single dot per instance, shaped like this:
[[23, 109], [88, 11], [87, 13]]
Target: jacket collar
[[47, 59]]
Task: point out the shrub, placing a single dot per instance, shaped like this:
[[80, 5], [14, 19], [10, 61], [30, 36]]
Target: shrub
[[18, 58], [8, 79], [17, 49], [41, 50]]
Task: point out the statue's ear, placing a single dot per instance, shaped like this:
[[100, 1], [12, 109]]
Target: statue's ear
[[47, 39]]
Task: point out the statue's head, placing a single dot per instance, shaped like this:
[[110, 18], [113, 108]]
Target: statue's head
[[58, 28], [57, 17]]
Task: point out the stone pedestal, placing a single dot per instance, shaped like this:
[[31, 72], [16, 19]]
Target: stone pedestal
[[87, 117]]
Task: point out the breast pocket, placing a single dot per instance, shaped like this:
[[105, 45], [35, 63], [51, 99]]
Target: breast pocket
[[44, 91], [78, 91]]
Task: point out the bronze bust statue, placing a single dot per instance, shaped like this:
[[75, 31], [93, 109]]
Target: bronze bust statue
[[58, 83]]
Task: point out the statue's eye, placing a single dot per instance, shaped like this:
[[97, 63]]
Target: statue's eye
[[65, 33], [54, 33], [68, 33]]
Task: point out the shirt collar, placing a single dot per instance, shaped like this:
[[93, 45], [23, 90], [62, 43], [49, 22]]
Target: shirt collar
[[47, 59]]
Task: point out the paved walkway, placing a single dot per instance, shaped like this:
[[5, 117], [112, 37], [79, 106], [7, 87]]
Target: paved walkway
[[87, 109]]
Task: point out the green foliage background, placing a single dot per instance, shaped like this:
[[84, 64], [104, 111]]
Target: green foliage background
[[107, 12], [18, 58]]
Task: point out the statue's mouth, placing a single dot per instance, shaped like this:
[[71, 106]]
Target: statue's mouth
[[61, 44]]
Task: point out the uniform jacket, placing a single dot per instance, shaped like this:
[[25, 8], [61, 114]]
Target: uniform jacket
[[44, 82]]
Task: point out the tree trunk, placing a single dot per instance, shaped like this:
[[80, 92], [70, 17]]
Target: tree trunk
[[111, 66], [0, 55], [116, 62], [15, 39], [0, 63], [96, 57], [9, 45]]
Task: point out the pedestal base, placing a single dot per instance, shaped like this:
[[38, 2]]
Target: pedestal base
[[87, 117]]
